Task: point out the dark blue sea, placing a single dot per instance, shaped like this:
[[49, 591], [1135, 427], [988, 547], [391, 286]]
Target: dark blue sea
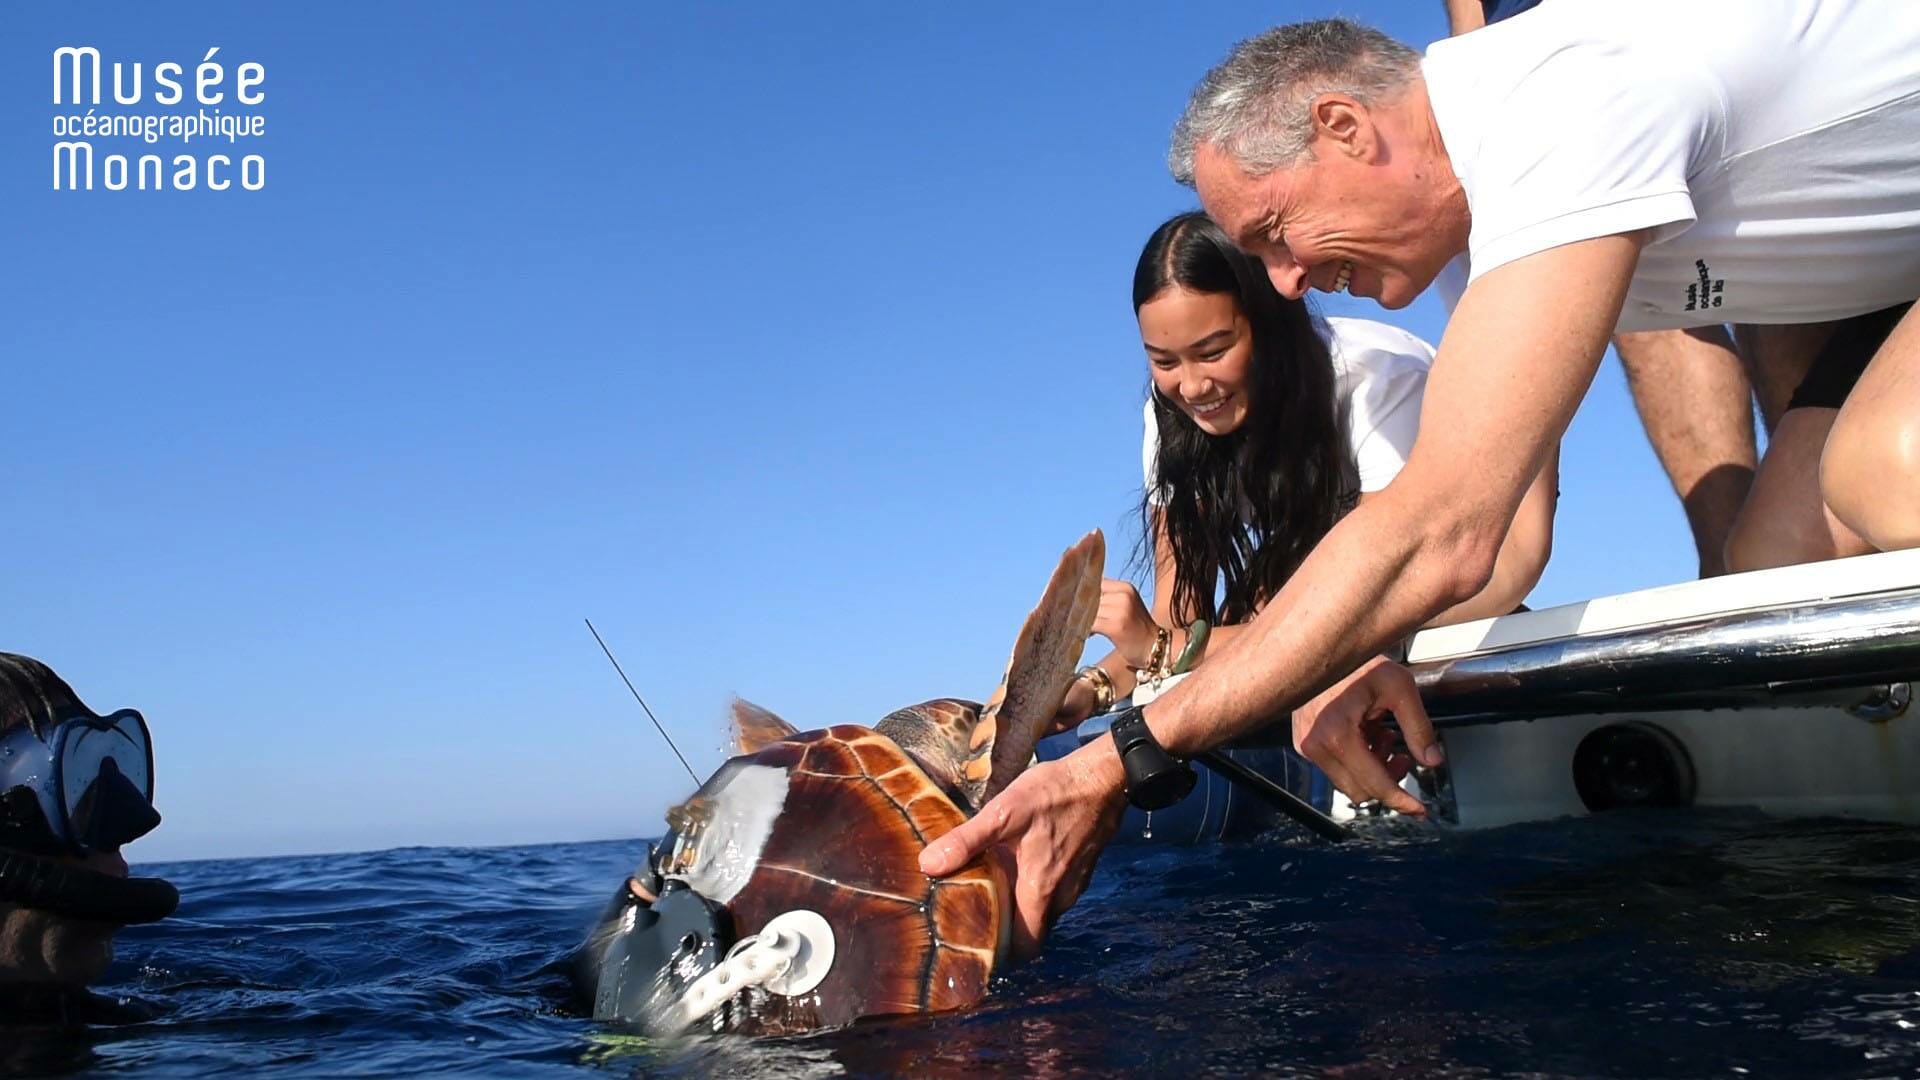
[[1621, 946]]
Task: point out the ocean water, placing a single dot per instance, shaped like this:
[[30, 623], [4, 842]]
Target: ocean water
[[1619, 946]]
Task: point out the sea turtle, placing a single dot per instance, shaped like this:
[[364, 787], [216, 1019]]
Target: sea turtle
[[833, 822]]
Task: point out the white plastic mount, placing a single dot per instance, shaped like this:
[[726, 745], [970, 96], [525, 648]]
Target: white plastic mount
[[789, 956], [812, 956]]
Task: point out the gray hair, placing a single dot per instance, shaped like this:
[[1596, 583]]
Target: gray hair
[[1254, 105]]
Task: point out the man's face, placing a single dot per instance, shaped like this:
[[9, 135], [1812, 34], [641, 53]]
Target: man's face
[[40, 948], [1343, 219]]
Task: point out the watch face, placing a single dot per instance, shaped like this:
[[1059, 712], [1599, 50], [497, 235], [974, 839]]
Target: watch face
[[1163, 788]]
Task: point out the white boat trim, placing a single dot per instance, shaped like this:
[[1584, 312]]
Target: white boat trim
[[1787, 585], [1746, 657]]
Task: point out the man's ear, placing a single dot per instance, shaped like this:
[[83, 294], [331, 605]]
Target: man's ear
[[1343, 124]]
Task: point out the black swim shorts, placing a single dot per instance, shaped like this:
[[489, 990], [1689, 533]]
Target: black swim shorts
[[1844, 357]]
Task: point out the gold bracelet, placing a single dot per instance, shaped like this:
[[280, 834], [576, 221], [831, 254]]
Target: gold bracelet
[[1102, 686], [1156, 663]]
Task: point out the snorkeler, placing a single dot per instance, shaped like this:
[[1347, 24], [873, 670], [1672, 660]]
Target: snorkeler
[[74, 788]]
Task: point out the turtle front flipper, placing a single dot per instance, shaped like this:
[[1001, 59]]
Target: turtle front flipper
[[1038, 673], [755, 727]]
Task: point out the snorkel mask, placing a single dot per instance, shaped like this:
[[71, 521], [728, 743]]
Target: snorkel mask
[[83, 786]]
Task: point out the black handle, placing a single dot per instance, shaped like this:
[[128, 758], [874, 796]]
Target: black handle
[[1280, 798]]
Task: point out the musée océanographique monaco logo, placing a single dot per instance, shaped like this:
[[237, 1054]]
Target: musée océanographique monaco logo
[[78, 165]]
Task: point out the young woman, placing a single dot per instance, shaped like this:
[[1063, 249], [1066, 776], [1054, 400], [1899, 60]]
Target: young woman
[[1265, 424]]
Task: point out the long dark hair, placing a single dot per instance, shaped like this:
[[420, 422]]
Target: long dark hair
[[1241, 511]]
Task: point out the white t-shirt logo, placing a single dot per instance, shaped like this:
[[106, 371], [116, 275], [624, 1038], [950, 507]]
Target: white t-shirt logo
[[1706, 292], [1779, 149]]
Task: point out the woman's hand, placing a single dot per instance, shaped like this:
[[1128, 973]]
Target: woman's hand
[[1078, 706], [1123, 619]]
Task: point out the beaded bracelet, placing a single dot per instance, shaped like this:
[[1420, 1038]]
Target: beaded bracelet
[[1156, 668]]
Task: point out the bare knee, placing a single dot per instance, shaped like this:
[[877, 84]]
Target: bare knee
[[1870, 478]]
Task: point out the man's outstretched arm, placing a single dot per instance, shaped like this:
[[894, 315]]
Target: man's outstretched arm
[[1522, 347]]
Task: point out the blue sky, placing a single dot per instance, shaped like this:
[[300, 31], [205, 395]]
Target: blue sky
[[791, 343]]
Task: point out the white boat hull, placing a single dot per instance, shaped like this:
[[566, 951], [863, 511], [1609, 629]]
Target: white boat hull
[[1785, 691], [1790, 761]]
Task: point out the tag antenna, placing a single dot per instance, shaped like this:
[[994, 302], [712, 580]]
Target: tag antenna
[[643, 702]]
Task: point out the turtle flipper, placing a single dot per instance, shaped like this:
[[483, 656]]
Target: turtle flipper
[[1039, 672], [755, 727]]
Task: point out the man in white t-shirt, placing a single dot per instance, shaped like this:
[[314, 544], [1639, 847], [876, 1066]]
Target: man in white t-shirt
[[1695, 389], [1692, 389], [1639, 164]]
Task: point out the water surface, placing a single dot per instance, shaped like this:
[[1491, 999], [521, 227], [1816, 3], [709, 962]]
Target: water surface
[[1621, 946]]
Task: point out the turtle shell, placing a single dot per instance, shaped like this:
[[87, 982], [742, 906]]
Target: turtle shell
[[845, 842]]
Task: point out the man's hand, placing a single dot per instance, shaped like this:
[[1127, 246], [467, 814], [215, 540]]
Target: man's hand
[[1123, 619], [1344, 731], [1053, 820]]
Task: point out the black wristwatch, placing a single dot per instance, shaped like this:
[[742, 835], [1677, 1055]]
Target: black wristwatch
[[1155, 778]]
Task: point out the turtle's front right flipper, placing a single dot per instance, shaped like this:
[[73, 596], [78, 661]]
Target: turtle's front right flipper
[[1039, 672]]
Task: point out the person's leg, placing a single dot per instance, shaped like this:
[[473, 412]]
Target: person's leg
[[1870, 471], [1785, 521], [1693, 396], [1777, 359]]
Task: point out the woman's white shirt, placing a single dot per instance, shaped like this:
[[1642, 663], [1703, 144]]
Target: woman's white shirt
[[1380, 375]]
